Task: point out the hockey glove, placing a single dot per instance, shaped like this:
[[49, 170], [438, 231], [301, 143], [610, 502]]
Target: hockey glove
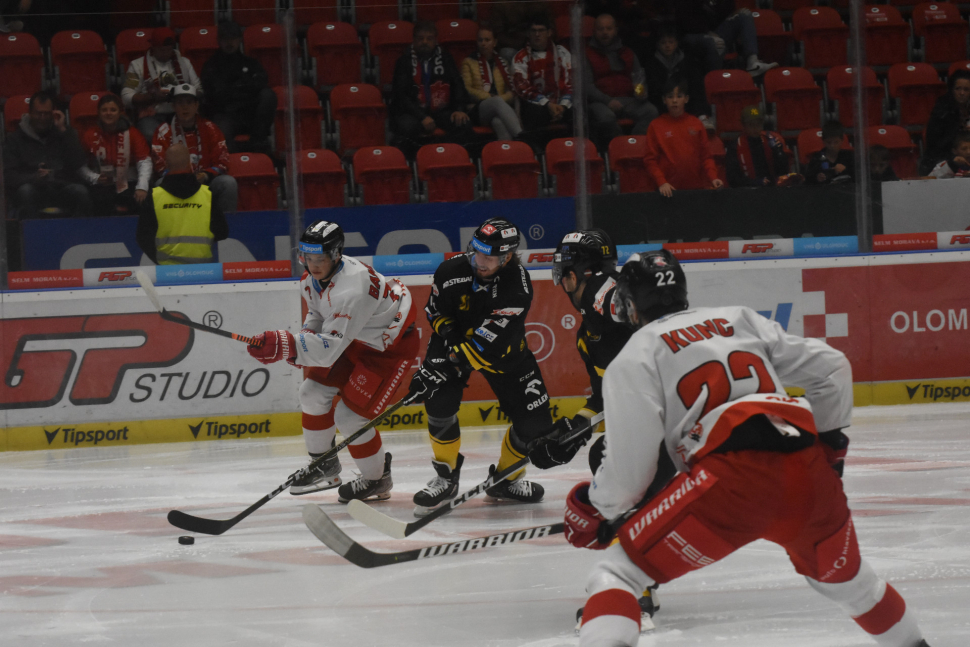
[[559, 447], [277, 345], [424, 384], [597, 452], [583, 522], [835, 444]]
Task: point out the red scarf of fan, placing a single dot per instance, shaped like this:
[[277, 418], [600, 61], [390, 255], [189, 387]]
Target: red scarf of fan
[[121, 158], [744, 156], [486, 71], [440, 90]]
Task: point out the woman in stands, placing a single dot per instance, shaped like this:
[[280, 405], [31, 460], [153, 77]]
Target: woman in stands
[[118, 156], [488, 79], [950, 115]]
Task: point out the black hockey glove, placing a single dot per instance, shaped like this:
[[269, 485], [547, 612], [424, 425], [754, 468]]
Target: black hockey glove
[[459, 362], [424, 384], [558, 448], [835, 444]]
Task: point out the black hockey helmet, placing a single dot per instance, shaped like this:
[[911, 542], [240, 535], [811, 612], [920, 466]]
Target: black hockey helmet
[[495, 237], [322, 237], [652, 283], [585, 253]]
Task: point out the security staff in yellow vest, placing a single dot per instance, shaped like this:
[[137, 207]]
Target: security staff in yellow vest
[[179, 223]]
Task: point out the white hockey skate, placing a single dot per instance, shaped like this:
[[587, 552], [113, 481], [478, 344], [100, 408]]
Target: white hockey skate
[[439, 490]]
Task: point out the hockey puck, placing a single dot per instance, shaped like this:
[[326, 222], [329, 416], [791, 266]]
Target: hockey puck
[[185, 540]]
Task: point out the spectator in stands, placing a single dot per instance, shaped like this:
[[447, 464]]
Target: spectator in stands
[[615, 85], [207, 147], [151, 79], [957, 163], [950, 116], [168, 231], [543, 79], [511, 20], [668, 61], [117, 154], [237, 94], [10, 26], [880, 168], [41, 160], [677, 155], [833, 163], [428, 93], [758, 157], [714, 27], [41, 18], [488, 81]]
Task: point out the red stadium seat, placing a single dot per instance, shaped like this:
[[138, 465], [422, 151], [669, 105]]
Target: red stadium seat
[[253, 12], [199, 43], [336, 52], [266, 43], [84, 110], [839, 81], [810, 141], [511, 171], [887, 36], [942, 30], [483, 9], [626, 162], [369, 12], [309, 131], [447, 173], [823, 36], [774, 43], [383, 175], [915, 86], [80, 61], [323, 179], [715, 146], [21, 65], [958, 65], [459, 37], [796, 97], [358, 113], [564, 29], [307, 12], [14, 110], [561, 163], [180, 14], [129, 45], [729, 91], [790, 5], [903, 154], [258, 181], [435, 10], [386, 41]]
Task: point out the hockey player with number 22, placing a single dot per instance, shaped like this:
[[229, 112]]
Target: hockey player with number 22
[[707, 384], [358, 340]]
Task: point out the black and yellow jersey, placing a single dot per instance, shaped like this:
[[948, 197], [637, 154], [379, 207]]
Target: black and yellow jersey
[[600, 337]]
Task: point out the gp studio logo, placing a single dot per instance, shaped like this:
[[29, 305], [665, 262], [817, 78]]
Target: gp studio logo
[[86, 356]]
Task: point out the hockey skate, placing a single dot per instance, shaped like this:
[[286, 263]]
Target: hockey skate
[[441, 489], [649, 605], [324, 476], [518, 490], [365, 489]]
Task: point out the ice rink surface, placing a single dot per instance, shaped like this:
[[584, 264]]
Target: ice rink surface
[[87, 556]]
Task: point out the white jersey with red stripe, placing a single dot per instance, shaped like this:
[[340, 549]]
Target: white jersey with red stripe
[[688, 379], [356, 304]]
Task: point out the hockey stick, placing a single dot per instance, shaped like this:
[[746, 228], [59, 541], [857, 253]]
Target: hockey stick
[[401, 529], [218, 526], [321, 525], [146, 285]]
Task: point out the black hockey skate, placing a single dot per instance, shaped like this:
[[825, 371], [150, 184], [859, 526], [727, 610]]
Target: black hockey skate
[[324, 476], [649, 605], [365, 489], [441, 489], [518, 490]]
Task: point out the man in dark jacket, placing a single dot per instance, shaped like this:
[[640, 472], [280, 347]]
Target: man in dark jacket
[[714, 27], [236, 93], [180, 221], [40, 161], [428, 92], [669, 60]]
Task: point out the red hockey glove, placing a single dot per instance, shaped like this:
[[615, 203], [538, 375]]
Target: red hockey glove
[[582, 520], [277, 345]]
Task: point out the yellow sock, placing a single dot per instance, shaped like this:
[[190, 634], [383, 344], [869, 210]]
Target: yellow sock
[[509, 456], [446, 451]]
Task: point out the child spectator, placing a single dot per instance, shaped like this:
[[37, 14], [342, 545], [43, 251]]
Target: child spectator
[[833, 163], [543, 78], [669, 60], [958, 163], [758, 157], [880, 169], [677, 155]]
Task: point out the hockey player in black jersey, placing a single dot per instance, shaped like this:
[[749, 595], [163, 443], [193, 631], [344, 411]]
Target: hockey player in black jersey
[[478, 305]]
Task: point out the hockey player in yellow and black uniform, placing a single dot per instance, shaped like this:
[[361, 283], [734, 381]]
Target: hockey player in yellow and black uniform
[[478, 305]]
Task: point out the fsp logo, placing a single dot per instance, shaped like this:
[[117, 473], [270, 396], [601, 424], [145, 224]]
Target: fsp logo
[[960, 239], [114, 275], [540, 258], [756, 248]]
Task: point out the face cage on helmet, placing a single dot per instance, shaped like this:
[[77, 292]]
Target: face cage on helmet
[[622, 299]]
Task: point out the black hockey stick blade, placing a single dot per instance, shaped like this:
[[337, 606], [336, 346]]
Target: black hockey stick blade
[[400, 529], [321, 525], [206, 526]]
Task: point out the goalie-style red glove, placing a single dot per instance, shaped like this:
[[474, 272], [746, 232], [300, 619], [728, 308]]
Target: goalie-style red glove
[[582, 520], [277, 345]]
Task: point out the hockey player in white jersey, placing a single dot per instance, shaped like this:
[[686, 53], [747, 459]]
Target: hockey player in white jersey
[[702, 389], [358, 340]]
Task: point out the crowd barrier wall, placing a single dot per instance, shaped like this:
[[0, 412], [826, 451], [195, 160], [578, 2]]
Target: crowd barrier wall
[[910, 206]]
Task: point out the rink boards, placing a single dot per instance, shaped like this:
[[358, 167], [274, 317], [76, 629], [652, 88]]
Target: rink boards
[[99, 366]]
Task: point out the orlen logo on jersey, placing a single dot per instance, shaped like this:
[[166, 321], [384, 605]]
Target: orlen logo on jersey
[[41, 356], [757, 248], [116, 275]]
